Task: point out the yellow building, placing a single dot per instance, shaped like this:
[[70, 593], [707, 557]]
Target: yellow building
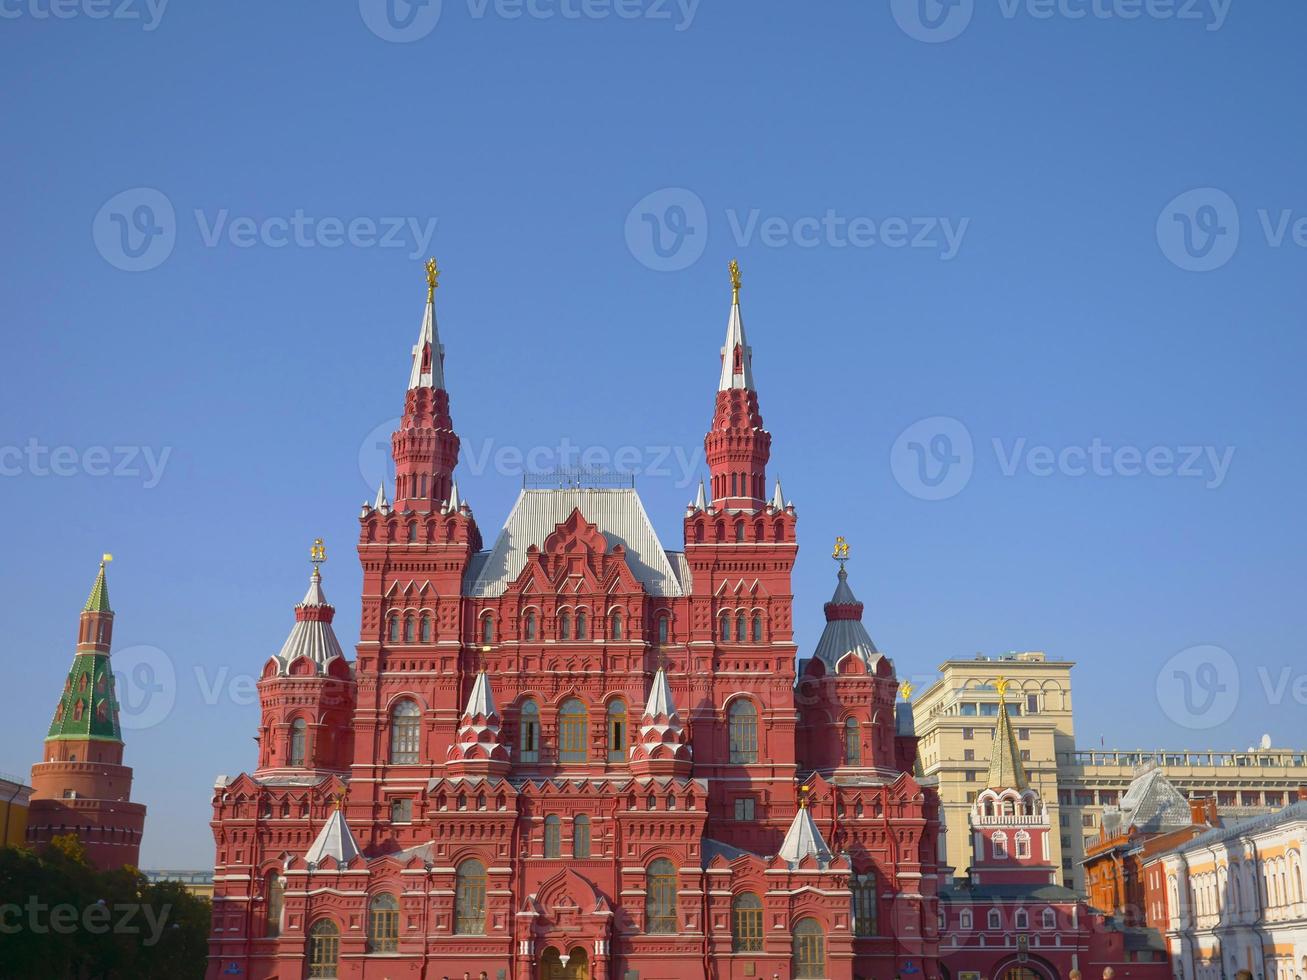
[[14, 797], [955, 719]]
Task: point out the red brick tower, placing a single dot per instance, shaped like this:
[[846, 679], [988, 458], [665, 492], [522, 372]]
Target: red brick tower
[[83, 787]]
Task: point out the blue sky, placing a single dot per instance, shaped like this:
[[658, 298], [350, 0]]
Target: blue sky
[[985, 225]]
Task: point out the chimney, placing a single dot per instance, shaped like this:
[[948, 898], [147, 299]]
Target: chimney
[[1202, 811]]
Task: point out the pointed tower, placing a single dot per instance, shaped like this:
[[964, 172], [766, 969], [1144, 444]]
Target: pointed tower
[[478, 750], [82, 787], [803, 839], [1009, 821], [425, 446], [737, 447], [662, 748], [307, 691]]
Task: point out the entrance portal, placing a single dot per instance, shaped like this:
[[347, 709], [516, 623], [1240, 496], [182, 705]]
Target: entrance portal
[[1022, 973], [576, 968]]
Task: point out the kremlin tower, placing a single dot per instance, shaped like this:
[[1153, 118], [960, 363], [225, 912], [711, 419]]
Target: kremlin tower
[[82, 787]]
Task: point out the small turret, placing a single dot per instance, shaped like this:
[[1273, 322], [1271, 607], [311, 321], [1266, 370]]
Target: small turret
[[662, 748]]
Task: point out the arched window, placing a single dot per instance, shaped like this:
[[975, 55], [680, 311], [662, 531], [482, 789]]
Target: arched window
[[324, 949], [852, 742], [383, 923], [529, 630], [744, 732], [408, 629], [405, 733], [740, 634], [426, 628], [809, 958], [757, 627], [746, 923], [999, 844], [964, 920], [726, 628], [394, 629], [1050, 919], [617, 731], [412, 533], [553, 835], [660, 897], [582, 632], [864, 904], [1021, 920], [529, 732], [470, 899], [276, 901], [581, 836], [298, 741], [616, 620], [572, 736], [564, 625], [1023, 844], [488, 629], [739, 530], [662, 630], [995, 920]]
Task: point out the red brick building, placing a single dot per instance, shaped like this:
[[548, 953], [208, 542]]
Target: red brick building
[[1153, 818], [1008, 919], [81, 786], [573, 753]]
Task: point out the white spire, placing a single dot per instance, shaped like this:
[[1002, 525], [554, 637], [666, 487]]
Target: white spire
[[803, 839], [315, 595], [737, 372], [660, 698], [699, 502], [454, 502], [778, 499], [481, 701], [334, 840], [380, 503], [429, 353]]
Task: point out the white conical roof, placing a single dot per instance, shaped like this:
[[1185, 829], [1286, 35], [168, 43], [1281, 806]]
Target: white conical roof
[[778, 498], [660, 697], [334, 840], [454, 501], [803, 839], [380, 502], [312, 635], [736, 375], [428, 353], [699, 502], [481, 701]]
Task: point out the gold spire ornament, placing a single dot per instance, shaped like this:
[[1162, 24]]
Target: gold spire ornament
[[804, 790], [1001, 685], [841, 552], [106, 558], [735, 282], [433, 279], [906, 689], [317, 553]]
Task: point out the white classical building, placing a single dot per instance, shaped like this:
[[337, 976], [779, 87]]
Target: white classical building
[[1234, 899]]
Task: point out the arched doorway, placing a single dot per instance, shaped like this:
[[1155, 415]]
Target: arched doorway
[[577, 966], [1026, 971]]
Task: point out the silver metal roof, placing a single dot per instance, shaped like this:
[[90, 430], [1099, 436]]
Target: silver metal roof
[[1150, 804], [617, 512]]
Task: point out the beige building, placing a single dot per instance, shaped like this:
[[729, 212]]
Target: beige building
[[955, 718], [955, 721]]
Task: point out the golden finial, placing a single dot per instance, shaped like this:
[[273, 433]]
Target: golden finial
[[317, 553], [433, 279], [1001, 685], [339, 800], [106, 558], [841, 552], [735, 282], [804, 790], [907, 689]]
